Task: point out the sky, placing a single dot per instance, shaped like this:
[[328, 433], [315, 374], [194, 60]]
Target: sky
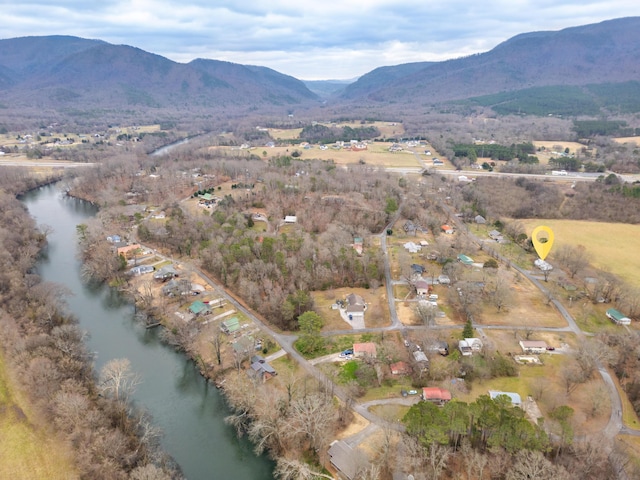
[[308, 39]]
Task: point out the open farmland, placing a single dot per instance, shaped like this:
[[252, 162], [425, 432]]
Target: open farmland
[[377, 155], [609, 245]]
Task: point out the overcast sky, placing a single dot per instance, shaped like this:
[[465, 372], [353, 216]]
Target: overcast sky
[[309, 39]]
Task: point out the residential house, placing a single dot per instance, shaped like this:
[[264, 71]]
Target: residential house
[[367, 349], [515, 399], [165, 273], [496, 235], [533, 346], [199, 308], [436, 395], [447, 229], [231, 325], [348, 461], [618, 317], [114, 239], [400, 368], [290, 219], [542, 265], [356, 306], [172, 288], [444, 279], [141, 270], [412, 247], [422, 287], [480, 220], [464, 259], [417, 269], [469, 346], [260, 369], [358, 245], [128, 250]]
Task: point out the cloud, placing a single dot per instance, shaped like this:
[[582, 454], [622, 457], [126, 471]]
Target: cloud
[[307, 39]]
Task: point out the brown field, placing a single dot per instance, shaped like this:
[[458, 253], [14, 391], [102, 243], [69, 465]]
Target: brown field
[[608, 244], [635, 140], [551, 145], [377, 154], [27, 451], [377, 314]]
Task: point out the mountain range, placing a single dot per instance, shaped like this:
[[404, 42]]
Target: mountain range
[[68, 72]]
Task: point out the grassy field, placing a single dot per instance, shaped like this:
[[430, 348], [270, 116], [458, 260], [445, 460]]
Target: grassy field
[[25, 450], [607, 244]]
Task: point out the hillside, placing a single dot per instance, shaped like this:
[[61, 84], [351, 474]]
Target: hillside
[[67, 72], [607, 52]]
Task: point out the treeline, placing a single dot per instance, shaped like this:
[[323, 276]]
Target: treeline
[[492, 437], [44, 348], [612, 128], [495, 151], [322, 134]]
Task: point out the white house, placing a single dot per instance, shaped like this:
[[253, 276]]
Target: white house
[[290, 219], [533, 346], [469, 346], [356, 306]]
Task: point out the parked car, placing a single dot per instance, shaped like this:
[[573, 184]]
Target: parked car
[[403, 393], [413, 392]]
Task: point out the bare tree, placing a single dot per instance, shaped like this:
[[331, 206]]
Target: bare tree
[[530, 464], [117, 380], [500, 291], [574, 258], [287, 469], [216, 343]]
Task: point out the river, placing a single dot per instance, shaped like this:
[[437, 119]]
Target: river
[[188, 410]]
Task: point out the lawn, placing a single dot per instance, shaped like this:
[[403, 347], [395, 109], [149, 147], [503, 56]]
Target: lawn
[[546, 377], [607, 244], [26, 452]]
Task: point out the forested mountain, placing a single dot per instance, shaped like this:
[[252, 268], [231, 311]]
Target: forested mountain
[[607, 52], [70, 72]]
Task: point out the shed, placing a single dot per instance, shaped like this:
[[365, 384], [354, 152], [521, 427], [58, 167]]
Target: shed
[[436, 395], [516, 401], [618, 317], [230, 326], [447, 229], [533, 346]]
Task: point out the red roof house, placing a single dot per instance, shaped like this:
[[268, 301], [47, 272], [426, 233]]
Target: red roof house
[[437, 395], [400, 368]]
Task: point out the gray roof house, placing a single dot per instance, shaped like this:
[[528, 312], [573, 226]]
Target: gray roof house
[[346, 460]]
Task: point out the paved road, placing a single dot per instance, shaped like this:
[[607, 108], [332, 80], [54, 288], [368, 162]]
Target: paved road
[[615, 424]]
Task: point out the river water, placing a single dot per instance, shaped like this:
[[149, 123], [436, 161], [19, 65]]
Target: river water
[[188, 410]]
